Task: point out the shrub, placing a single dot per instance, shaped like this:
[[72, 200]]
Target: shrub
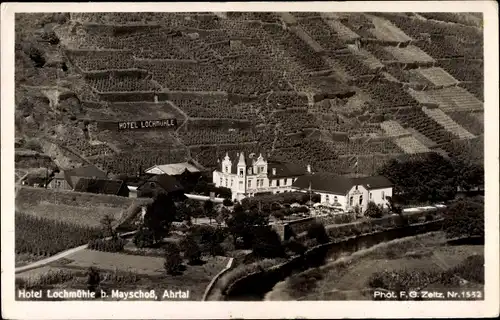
[[208, 238], [144, 238], [191, 250], [93, 279], [464, 218], [373, 211], [227, 202], [317, 231], [173, 259], [267, 243], [107, 245]]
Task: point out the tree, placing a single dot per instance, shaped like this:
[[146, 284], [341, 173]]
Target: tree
[[464, 218], [159, 216], [227, 202], [173, 259], [191, 250], [469, 175], [93, 279], [373, 211], [107, 225], [208, 209], [242, 223], [223, 215], [209, 238], [266, 243], [317, 231], [144, 238]]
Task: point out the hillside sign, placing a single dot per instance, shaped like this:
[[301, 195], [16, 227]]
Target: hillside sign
[[138, 124]]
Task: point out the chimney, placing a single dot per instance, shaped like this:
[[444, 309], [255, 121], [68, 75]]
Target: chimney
[[308, 168], [274, 171]]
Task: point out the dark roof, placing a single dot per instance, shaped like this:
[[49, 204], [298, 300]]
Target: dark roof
[[32, 178], [167, 182], [284, 169], [86, 171], [338, 184], [102, 186]]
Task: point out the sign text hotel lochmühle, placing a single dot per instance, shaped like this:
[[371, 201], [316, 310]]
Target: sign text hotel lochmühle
[[146, 124]]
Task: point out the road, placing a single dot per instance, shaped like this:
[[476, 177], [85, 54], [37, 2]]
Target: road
[[58, 256]]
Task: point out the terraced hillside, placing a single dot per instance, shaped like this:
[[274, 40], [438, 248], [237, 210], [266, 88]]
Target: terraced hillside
[[326, 89]]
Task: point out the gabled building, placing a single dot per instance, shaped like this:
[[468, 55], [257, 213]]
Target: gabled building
[[250, 175], [102, 186], [162, 183], [346, 193], [174, 169], [67, 179]]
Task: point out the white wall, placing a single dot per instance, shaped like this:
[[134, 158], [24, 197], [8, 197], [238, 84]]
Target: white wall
[[378, 196]]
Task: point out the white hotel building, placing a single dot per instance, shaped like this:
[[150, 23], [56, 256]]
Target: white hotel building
[[247, 176]]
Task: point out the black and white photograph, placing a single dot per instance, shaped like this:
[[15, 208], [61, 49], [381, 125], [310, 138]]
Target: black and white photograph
[[251, 156]]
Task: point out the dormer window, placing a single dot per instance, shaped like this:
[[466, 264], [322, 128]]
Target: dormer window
[[249, 170]]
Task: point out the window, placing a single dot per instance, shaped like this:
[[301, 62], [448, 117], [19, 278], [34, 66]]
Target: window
[[249, 171], [227, 169], [226, 182], [261, 169], [221, 181], [350, 201], [278, 183], [370, 195], [286, 182], [356, 187], [360, 199], [335, 199], [231, 182], [383, 195], [241, 172], [327, 198], [249, 183]]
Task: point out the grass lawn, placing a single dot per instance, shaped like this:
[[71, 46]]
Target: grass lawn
[[329, 282], [138, 272]]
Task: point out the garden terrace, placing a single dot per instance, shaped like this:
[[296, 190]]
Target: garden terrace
[[93, 60], [280, 100], [125, 111], [409, 54], [216, 136], [368, 59], [301, 15], [293, 120], [443, 47], [394, 129], [469, 121], [342, 31], [165, 44], [418, 120], [138, 140], [464, 70], [411, 145], [386, 31], [378, 51], [388, 94], [255, 82], [184, 76], [200, 108], [437, 76], [353, 64], [410, 76], [358, 23], [132, 162], [366, 146], [78, 38], [448, 124], [416, 27], [121, 81], [455, 17], [325, 36], [449, 99], [268, 17], [476, 88]]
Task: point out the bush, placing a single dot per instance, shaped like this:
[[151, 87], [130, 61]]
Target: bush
[[93, 279], [173, 260], [266, 243], [317, 231], [464, 218], [227, 202], [191, 250], [373, 211], [144, 238], [111, 245], [208, 239]]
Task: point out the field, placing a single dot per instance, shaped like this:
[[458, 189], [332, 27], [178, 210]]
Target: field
[[125, 272], [349, 277], [245, 66]]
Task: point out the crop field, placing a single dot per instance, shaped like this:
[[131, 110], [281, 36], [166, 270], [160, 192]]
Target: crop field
[[126, 272], [349, 279], [247, 66], [37, 237]]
